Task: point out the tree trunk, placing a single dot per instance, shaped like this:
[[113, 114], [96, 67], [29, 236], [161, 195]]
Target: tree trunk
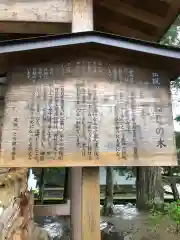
[[66, 195], [149, 187], [108, 203], [41, 186], [173, 184]]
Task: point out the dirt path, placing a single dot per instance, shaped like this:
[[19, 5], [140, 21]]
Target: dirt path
[[127, 220]]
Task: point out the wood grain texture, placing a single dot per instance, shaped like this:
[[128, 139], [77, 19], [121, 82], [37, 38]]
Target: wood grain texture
[[36, 11], [82, 17], [17, 204], [135, 18], [90, 203], [52, 210], [146, 21], [142, 111], [76, 203], [85, 207], [135, 13], [28, 27]]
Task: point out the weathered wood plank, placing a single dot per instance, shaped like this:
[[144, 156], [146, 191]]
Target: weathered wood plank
[[36, 11], [90, 203], [82, 18], [140, 102], [133, 12], [34, 27], [76, 203], [85, 207], [52, 210]]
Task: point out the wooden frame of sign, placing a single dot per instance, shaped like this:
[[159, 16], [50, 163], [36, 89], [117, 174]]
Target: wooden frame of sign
[[96, 107]]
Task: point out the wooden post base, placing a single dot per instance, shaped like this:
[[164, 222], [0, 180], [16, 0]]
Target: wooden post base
[[85, 203]]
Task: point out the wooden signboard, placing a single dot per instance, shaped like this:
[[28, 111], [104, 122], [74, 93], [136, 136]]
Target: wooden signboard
[[87, 113]]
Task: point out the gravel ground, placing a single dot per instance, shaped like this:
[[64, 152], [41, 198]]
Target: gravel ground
[[127, 221]]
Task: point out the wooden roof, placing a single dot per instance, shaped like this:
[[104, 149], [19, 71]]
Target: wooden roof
[[141, 19], [113, 47]]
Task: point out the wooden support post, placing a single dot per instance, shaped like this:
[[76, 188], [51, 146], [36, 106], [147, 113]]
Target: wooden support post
[[82, 15], [85, 184], [76, 203], [90, 203], [85, 203]]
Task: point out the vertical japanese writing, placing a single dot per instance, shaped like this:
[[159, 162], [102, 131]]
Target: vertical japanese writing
[[117, 127], [34, 75], [31, 128], [109, 71], [78, 119], [44, 118], [123, 124], [50, 117], [37, 135], [51, 72], [40, 73], [14, 137], [133, 115], [131, 76], [99, 67], [28, 73], [37, 124], [94, 66], [83, 97], [95, 123], [69, 67], [56, 115], [78, 68], [155, 79], [89, 124], [128, 77], [124, 147], [127, 114], [61, 140], [158, 112], [45, 73], [133, 109]]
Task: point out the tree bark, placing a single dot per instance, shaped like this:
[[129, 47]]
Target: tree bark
[[149, 187], [41, 186], [108, 203], [66, 194], [173, 184]]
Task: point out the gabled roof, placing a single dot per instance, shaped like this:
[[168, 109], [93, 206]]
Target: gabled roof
[[141, 19], [112, 40], [168, 57]]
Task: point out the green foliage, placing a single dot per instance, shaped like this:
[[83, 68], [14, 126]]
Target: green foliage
[[177, 136], [171, 212], [172, 37], [52, 176], [177, 118], [156, 218]]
